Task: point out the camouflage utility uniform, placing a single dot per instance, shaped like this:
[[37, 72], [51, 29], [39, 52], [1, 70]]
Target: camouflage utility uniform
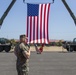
[[22, 62]]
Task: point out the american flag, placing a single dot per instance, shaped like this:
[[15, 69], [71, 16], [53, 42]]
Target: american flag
[[37, 23]]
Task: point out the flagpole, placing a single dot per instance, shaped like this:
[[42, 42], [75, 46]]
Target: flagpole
[[39, 2]]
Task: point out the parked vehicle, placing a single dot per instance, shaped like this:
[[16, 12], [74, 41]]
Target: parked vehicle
[[70, 46], [5, 45]]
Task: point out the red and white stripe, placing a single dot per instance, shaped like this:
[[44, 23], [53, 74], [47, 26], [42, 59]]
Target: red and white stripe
[[37, 26]]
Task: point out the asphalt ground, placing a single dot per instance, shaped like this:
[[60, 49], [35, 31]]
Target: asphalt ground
[[47, 63]]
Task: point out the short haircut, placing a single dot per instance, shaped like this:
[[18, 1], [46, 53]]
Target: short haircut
[[23, 36]]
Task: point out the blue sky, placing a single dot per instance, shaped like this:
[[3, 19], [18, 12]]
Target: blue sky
[[61, 25]]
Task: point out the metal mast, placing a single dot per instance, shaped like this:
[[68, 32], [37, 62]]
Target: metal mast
[[6, 12], [70, 11]]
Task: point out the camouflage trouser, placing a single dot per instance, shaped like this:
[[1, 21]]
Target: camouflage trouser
[[22, 70]]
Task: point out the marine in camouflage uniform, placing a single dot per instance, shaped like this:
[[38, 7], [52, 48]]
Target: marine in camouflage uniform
[[22, 52]]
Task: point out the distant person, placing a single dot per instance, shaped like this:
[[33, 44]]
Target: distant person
[[40, 50], [22, 52]]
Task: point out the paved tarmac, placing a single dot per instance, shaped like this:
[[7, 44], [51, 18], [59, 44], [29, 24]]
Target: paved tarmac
[[47, 63]]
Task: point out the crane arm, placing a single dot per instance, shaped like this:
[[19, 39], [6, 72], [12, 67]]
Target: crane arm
[[70, 11], [6, 12]]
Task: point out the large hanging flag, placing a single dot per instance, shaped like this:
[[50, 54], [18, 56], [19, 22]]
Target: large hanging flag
[[37, 23]]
